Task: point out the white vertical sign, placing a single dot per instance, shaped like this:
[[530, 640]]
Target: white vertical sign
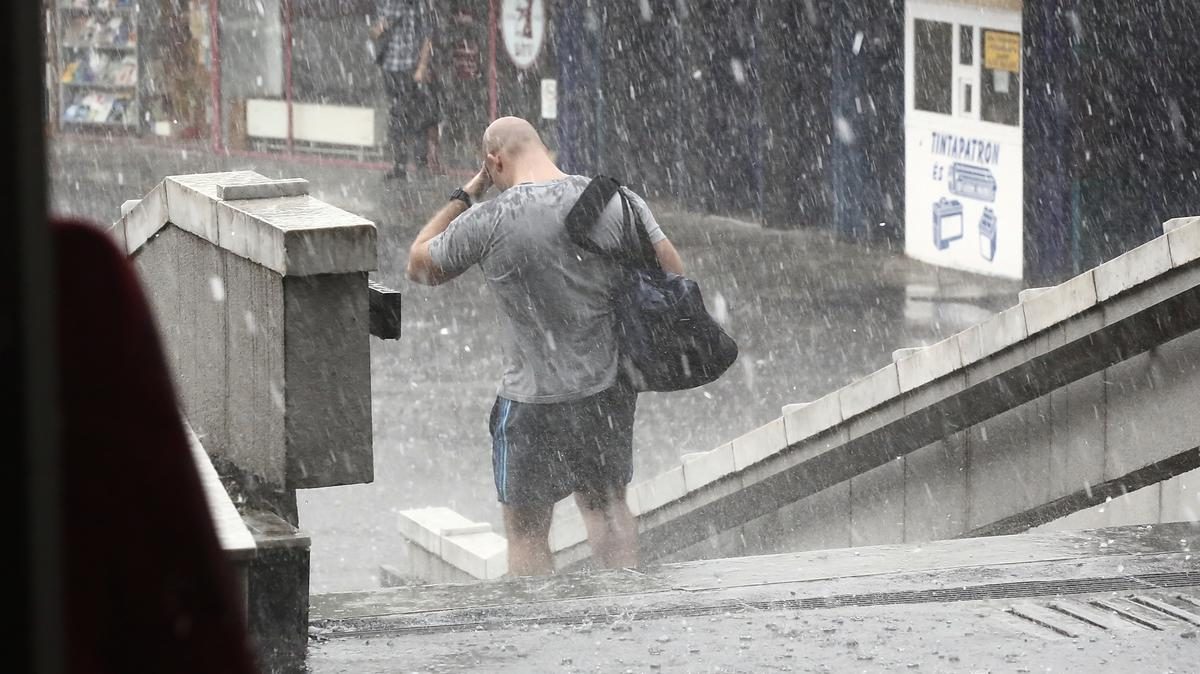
[[549, 99]]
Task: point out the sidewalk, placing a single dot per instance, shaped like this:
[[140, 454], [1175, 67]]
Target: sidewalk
[[810, 314], [1122, 599]]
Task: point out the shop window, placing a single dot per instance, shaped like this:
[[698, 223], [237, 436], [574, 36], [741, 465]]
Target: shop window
[[933, 56], [966, 45], [1000, 78]]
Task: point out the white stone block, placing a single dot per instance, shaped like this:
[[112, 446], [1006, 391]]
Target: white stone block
[[1060, 303], [146, 219], [812, 418], [116, 231], [249, 237], [232, 533], [758, 444], [567, 527], [424, 526], [1002, 331], [128, 205], [631, 500], [1143, 506], [970, 348], [927, 364], [900, 354], [1177, 223], [869, 392], [467, 529], [1137, 266], [271, 189], [661, 489], [566, 533], [1184, 241], [792, 407], [1030, 293], [707, 467], [483, 556], [192, 200], [1181, 497], [298, 236]]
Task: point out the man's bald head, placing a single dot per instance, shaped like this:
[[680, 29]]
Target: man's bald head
[[514, 153], [512, 137]]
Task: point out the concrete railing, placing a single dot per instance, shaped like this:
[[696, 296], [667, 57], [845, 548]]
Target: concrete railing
[[445, 547], [1080, 393], [234, 536], [262, 298]]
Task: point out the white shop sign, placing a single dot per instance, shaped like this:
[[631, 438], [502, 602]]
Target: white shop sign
[[963, 144], [523, 26]]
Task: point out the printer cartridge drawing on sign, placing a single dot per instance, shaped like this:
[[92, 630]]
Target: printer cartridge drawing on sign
[[987, 234], [947, 222], [973, 182]]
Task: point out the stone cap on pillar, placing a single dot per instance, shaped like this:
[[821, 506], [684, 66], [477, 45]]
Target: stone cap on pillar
[[274, 223]]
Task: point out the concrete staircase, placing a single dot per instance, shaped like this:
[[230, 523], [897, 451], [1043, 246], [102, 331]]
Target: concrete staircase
[[1079, 394]]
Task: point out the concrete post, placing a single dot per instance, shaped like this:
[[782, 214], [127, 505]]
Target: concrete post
[[261, 295]]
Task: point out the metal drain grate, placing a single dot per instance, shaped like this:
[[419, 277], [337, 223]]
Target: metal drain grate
[[1082, 617]]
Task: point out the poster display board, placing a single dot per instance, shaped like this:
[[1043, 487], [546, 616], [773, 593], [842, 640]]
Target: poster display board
[[963, 141]]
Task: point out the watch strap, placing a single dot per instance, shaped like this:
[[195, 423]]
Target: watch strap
[[461, 195]]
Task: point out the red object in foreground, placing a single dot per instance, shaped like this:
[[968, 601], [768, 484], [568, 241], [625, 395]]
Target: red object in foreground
[[147, 586]]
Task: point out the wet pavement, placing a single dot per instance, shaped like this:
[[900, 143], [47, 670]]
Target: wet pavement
[[1123, 599], [810, 314]]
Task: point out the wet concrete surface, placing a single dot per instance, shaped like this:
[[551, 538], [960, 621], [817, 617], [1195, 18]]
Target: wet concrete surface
[[966, 637], [1122, 599], [810, 314]]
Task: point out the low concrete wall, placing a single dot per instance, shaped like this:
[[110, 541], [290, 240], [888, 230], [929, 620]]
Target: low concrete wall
[[1079, 392], [1039, 462], [1173, 500]]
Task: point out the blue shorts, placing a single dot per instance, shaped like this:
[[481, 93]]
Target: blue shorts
[[544, 452]]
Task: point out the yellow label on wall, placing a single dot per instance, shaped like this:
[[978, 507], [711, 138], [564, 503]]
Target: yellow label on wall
[[1002, 51]]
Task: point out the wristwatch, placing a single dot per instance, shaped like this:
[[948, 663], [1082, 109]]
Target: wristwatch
[[462, 196]]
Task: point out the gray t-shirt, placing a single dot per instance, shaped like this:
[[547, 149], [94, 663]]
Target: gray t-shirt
[[561, 341]]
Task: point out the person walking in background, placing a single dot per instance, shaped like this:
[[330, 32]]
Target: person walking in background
[[562, 423], [403, 33]]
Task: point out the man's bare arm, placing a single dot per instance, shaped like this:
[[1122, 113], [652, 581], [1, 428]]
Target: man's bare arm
[[421, 73], [421, 268], [668, 257]]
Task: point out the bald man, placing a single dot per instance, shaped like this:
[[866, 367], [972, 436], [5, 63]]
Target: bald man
[[562, 422]]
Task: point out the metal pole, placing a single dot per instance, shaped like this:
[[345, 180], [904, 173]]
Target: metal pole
[[214, 38], [493, 97], [286, 6]]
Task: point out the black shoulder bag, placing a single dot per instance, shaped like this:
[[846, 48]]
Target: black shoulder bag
[[668, 341]]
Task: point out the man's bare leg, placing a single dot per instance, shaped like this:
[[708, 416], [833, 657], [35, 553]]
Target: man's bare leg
[[432, 160], [528, 529], [612, 531]]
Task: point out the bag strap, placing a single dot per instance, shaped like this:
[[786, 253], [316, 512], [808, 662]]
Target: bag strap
[[585, 215]]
